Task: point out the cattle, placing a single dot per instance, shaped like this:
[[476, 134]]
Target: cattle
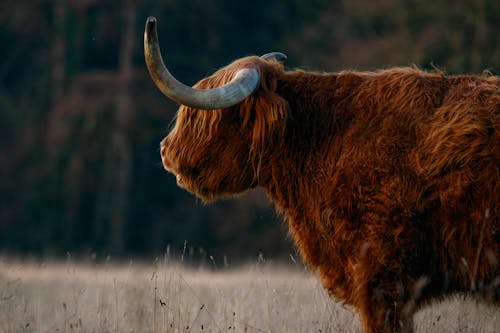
[[389, 181]]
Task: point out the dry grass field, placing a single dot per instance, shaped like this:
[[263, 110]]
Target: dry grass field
[[167, 297]]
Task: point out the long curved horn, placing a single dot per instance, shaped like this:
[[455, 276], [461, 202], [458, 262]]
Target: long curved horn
[[241, 86]]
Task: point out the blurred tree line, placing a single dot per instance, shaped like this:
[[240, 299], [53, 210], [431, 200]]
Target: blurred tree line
[[80, 120]]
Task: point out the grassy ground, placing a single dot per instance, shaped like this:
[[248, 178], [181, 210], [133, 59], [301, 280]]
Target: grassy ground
[[165, 297]]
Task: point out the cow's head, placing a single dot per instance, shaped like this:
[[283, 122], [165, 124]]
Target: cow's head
[[228, 126]]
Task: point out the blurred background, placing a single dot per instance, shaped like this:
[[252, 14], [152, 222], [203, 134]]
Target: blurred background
[[81, 122]]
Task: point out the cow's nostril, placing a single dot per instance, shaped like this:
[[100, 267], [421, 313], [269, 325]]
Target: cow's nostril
[[162, 152]]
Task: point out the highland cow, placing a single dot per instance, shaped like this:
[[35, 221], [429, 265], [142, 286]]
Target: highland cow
[[389, 180]]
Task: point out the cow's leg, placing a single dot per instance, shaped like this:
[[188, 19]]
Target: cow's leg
[[385, 316], [385, 303]]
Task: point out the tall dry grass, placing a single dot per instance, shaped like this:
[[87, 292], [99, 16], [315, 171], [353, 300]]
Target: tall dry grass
[[167, 297]]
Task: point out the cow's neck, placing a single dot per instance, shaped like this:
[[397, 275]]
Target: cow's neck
[[320, 113], [302, 170]]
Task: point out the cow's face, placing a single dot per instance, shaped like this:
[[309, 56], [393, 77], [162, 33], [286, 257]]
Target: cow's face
[[208, 154], [221, 152]]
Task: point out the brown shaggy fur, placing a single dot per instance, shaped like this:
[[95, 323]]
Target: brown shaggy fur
[[389, 181]]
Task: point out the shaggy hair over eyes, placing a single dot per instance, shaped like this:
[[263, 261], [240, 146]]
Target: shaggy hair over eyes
[[263, 113]]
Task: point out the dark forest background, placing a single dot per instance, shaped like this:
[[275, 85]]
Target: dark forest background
[[80, 120]]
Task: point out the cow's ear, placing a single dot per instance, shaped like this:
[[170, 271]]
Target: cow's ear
[[265, 115]]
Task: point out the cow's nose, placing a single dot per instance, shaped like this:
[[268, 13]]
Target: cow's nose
[[167, 163]]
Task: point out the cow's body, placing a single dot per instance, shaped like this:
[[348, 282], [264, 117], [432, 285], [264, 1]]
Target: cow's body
[[391, 186], [389, 181]]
